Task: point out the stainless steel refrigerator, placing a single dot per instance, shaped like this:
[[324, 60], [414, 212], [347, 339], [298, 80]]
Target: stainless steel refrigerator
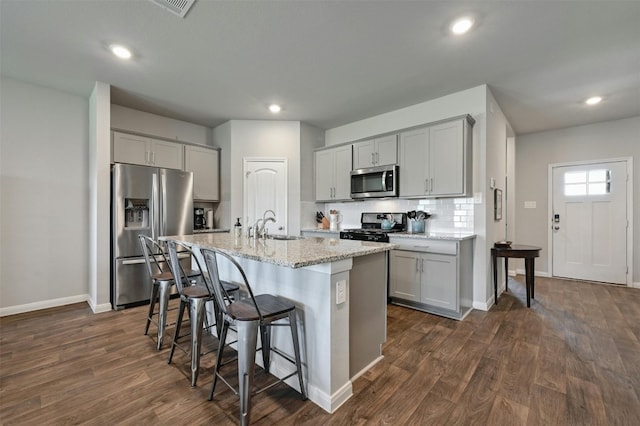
[[149, 201]]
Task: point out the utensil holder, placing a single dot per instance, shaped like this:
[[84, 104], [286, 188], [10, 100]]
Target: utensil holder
[[416, 226]]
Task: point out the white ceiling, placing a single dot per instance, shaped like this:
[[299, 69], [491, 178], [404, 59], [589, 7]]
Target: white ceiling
[[333, 62]]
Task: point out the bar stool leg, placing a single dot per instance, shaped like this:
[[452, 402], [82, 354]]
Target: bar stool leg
[[265, 337], [296, 350], [247, 339], [165, 293], [196, 313], [152, 303], [176, 334], [221, 341]]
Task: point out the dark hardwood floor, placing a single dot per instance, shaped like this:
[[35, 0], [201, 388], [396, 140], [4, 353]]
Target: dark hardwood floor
[[573, 358]]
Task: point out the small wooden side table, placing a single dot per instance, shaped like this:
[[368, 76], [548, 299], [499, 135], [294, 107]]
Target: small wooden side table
[[528, 253]]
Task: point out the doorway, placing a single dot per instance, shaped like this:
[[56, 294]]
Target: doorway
[[590, 221], [265, 188]]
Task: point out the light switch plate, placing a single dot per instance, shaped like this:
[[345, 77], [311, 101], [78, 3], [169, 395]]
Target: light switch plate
[[341, 292], [529, 204]]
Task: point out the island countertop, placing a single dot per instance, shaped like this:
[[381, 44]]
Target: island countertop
[[298, 253]]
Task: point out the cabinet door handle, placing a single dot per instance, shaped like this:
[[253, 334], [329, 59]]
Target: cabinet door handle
[[377, 158], [426, 186], [153, 156], [373, 158], [431, 185], [417, 267]]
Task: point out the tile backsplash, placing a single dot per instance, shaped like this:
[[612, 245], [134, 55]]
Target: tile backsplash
[[447, 214]]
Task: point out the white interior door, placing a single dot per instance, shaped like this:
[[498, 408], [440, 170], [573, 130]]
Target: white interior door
[[589, 221], [265, 188]]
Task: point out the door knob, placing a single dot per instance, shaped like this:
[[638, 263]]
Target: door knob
[[556, 227]]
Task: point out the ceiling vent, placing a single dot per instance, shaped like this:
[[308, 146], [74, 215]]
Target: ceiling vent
[[177, 7]]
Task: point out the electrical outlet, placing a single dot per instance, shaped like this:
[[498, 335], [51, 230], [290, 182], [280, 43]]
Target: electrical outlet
[[341, 292]]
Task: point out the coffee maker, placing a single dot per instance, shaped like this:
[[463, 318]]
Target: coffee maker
[[199, 220]]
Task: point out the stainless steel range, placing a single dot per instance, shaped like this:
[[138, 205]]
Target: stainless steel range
[[376, 227]]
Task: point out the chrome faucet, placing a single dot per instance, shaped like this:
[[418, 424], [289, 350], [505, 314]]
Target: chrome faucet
[[259, 230]]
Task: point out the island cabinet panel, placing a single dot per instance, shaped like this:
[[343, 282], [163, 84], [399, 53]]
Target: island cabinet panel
[[375, 152], [144, 151], [205, 165], [436, 161], [332, 173], [432, 275]]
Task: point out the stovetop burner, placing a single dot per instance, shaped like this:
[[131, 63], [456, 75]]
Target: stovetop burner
[[372, 227]]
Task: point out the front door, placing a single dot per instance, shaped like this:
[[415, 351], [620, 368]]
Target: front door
[[589, 221], [265, 188]]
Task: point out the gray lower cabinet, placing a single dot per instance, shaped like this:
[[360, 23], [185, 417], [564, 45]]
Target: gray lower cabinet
[[433, 276]]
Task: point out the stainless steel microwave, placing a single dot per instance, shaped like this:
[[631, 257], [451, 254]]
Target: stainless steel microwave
[[375, 182]]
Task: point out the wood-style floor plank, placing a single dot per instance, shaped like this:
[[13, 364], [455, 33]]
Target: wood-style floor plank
[[572, 358]]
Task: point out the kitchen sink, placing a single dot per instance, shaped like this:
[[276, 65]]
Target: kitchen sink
[[285, 237]]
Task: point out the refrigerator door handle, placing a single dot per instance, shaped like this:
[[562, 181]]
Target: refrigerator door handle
[[133, 262], [154, 210], [163, 203]]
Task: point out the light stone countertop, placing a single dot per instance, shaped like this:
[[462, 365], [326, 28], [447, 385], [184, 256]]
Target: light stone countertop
[[321, 230], [292, 253], [209, 231], [452, 236]]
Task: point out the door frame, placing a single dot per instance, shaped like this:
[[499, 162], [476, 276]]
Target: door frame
[[629, 164], [283, 160]]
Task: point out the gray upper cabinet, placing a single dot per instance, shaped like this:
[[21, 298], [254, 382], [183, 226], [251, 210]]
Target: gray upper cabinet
[[435, 161], [205, 165], [375, 152], [333, 168], [133, 149]]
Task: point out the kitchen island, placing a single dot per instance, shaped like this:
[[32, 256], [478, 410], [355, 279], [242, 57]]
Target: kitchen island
[[339, 288]]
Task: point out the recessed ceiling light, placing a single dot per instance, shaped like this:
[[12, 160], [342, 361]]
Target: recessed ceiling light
[[120, 51], [593, 100], [275, 108], [462, 25]]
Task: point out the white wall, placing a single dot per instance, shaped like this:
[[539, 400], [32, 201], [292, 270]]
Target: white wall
[[311, 138], [534, 153], [99, 198], [132, 120], [44, 224], [471, 101], [222, 140], [496, 167], [261, 138]]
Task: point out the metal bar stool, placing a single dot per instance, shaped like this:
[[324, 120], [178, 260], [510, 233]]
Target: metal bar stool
[[161, 279], [195, 294], [249, 315]]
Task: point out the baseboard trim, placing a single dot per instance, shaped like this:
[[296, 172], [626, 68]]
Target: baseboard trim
[[367, 368], [99, 309], [535, 273], [45, 304], [483, 306]]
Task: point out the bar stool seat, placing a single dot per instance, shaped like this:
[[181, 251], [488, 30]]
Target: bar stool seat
[[250, 315], [194, 296], [161, 282]]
